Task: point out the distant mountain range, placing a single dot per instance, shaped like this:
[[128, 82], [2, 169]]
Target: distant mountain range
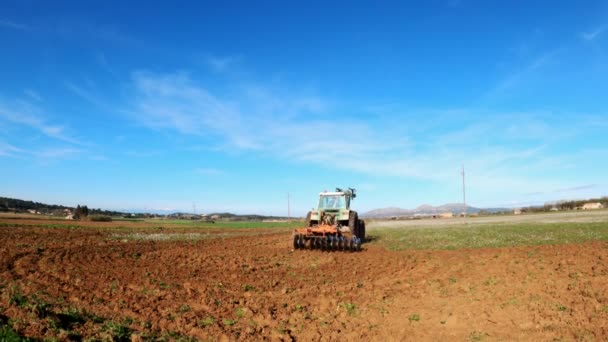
[[426, 209]]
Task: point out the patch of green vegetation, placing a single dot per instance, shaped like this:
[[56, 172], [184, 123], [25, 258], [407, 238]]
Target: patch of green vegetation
[[229, 322], [17, 298], [39, 307], [248, 287], [207, 321], [491, 281], [490, 235], [118, 331], [184, 308], [477, 336], [414, 318], [240, 312], [350, 308], [100, 218], [113, 286], [560, 307], [7, 334]]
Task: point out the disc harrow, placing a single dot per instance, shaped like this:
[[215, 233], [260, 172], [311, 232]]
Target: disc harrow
[[326, 238]]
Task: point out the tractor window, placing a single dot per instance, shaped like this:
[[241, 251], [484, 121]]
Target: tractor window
[[331, 202]]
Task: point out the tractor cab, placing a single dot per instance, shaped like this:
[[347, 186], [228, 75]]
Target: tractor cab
[[333, 200]]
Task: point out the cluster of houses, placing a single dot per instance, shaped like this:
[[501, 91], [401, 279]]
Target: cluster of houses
[[591, 206], [585, 206]]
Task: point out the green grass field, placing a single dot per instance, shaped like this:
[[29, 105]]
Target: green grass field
[[490, 235]]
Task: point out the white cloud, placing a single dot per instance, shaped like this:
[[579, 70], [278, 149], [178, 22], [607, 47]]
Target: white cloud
[[44, 154], [12, 25], [8, 150], [33, 95], [518, 77], [221, 64], [85, 93], [57, 153], [24, 113], [589, 36], [255, 119], [208, 171], [506, 153], [103, 63]]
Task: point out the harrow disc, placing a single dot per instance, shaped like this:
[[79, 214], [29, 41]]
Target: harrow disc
[[302, 242]]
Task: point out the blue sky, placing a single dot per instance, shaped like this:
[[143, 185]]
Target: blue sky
[[231, 105]]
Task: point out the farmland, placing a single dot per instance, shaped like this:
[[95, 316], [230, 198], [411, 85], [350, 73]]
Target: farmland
[[532, 277]]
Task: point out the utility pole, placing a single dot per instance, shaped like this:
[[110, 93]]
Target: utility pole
[[193, 208], [288, 208], [464, 196]]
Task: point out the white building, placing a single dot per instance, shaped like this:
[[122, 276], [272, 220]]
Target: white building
[[589, 206]]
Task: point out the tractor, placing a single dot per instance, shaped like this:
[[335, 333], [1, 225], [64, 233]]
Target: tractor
[[332, 225]]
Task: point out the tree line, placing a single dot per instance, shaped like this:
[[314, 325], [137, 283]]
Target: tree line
[[564, 205], [17, 205]]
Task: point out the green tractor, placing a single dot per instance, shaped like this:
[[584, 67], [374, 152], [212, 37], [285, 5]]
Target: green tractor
[[334, 210]]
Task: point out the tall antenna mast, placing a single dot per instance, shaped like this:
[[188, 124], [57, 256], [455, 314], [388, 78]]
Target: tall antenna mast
[[464, 196], [288, 208]]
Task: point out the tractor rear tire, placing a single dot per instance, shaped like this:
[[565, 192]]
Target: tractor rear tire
[[353, 220]]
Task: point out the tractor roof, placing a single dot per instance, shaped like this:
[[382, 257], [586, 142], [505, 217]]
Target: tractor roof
[[327, 193]]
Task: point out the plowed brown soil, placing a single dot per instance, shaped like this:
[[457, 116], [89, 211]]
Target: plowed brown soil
[[78, 283]]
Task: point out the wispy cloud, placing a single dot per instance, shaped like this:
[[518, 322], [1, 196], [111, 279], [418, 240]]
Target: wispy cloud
[[24, 113], [578, 188], [254, 119], [519, 76], [589, 36], [208, 171], [33, 95], [506, 152], [8, 150], [57, 153], [220, 64], [12, 25], [104, 64], [174, 101], [143, 154], [565, 190], [44, 154], [85, 94], [99, 158]]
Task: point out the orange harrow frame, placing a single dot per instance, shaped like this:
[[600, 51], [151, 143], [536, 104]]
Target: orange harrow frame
[[325, 237]]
